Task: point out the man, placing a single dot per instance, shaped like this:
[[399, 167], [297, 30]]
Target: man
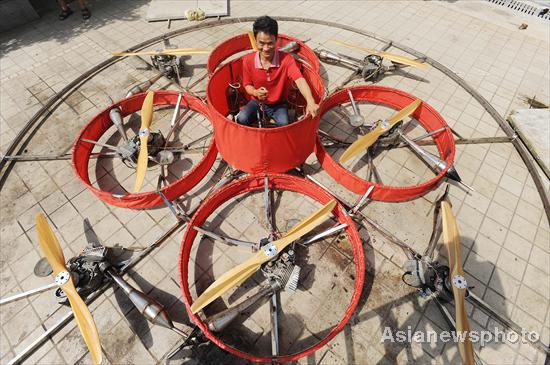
[[265, 75]]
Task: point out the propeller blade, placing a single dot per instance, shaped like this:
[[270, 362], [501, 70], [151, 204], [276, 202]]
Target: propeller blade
[[308, 223], [404, 113], [390, 56], [368, 139], [183, 53], [230, 279], [252, 41], [167, 51], [52, 250], [349, 45], [143, 157], [241, 272], [50, 245], [402, 60], [458, 282], [85, 321]]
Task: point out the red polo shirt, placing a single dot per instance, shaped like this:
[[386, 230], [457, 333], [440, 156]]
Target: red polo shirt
[[274, 79]]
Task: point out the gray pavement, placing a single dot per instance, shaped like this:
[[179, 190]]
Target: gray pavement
[[505, 232]]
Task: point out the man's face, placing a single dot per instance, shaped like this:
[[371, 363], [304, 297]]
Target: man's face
[[266, 44]]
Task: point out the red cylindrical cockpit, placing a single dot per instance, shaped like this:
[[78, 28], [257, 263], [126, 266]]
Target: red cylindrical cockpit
[[262, 150]]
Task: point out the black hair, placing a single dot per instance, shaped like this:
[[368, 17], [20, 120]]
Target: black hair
[[266, 25]]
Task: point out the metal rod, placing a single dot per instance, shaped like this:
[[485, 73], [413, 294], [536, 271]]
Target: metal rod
[[169, 205], [111, 147], [227, 240], [27, 293], [176, 110], [274, 309], [41, 339], [483, 140], [508, 323], [268, 209], [429, 134], [328, 232], [65, 156], [362, 200], [353, 105], [409, 251]]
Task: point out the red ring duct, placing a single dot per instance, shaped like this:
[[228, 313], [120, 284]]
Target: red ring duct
[[99, 125], [397, 99], [241, 43], [256, 183], [260, 150]]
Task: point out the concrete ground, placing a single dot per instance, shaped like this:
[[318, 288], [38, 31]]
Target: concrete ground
[[505, 232]]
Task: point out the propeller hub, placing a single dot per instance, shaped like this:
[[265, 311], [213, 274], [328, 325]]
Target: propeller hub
[[62, 278], [270, 250], [459, 282], [143, 132]]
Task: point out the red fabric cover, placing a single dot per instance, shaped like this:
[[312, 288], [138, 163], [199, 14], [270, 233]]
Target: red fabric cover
[[101, 122], [425, 114], [256, 183], [241, 43], [256, 150], [274, 80]]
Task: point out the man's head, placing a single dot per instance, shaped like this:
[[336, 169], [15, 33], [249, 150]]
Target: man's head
[[266, 30]]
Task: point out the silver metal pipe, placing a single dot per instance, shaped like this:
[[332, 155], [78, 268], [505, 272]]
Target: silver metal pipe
[[325, 55], [274, 308], [27, 293], [176, 110], [326, 233], [227, 240]]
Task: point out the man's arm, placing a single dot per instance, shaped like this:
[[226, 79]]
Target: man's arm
[[312, 107]]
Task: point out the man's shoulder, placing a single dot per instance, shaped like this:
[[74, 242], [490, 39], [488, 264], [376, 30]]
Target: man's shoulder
[[286, 58], [249, 58]]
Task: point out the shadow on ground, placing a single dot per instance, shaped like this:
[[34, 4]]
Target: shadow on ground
[[103, 12]]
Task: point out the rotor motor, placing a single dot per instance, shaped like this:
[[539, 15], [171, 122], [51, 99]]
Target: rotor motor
[[86, 273], [171, 66]]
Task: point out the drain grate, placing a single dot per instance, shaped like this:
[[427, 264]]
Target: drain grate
[[523, 8]]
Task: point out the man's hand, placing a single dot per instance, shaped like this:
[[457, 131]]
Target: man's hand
[[312, 109], [261, 94]]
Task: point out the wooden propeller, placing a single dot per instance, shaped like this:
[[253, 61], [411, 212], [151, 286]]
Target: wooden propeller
[[53, 253], [241, 272], [252, 41], [451, 237], [390, 56], [368, 139], [143, 157]]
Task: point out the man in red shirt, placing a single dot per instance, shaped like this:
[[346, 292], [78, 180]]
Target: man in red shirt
[[265, 74]]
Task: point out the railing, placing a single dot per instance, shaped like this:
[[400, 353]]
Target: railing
[[523, 8]]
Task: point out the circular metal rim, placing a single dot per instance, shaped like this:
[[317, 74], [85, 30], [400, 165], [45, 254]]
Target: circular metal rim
[[148, 199], [26, 133], [256, 183], [426, 115]]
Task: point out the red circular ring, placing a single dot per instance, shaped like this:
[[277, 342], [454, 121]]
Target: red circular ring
[[241, 43], [255, 183], [99, 125], [397, 99]]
